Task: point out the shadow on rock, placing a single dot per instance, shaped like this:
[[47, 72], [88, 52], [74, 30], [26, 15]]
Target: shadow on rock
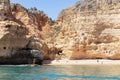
[[23, 57]]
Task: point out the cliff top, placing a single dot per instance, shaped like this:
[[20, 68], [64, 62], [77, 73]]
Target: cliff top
[[93, 6]]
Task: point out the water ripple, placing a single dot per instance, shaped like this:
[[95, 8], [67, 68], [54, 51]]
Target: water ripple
[[80, 77]]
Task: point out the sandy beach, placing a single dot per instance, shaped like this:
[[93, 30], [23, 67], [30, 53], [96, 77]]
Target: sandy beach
[[82, 62]]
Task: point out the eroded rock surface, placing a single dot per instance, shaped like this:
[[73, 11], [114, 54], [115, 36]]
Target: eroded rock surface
[[90, 29], [20, 29]]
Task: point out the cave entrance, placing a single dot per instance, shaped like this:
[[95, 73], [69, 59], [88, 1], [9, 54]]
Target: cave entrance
[[59, 52], [4, 48]]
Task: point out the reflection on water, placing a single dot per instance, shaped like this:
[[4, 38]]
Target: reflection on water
[[90, 72]]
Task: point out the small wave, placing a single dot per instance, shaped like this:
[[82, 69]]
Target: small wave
[[32, 65], [80, 77]]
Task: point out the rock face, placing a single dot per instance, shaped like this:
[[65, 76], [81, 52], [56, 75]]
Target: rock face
[[89, 30], [23, 57], [5, 10], [20, 29]]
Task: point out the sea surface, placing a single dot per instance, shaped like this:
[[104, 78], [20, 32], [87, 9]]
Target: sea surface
[[82, 72]]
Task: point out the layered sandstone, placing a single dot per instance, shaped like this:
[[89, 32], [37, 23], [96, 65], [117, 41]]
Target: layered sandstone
[[90, 29]]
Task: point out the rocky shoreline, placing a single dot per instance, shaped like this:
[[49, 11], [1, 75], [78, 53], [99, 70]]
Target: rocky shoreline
[[23, 57]]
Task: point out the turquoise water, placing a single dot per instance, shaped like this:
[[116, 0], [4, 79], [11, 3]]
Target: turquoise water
[[87, 72]]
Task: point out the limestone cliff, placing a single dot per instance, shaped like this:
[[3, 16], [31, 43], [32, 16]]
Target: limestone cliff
[[21, 29], [89, 29]]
